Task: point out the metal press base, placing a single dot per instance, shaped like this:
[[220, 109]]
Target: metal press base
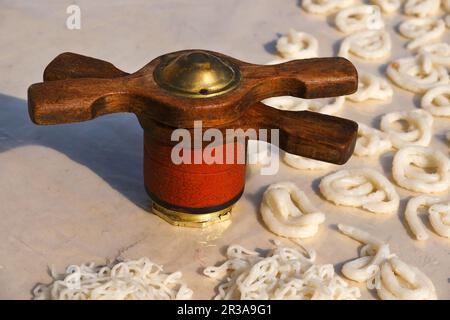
[[193, 220]]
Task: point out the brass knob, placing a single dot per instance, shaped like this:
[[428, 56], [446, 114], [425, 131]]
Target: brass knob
[[197, 74]]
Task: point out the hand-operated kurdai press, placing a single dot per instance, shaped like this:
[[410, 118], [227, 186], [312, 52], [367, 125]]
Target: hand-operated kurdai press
[[176, 89]]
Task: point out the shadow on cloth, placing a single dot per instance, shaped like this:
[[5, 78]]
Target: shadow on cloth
[[111, 146]]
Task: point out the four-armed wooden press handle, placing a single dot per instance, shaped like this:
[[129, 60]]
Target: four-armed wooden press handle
[[78, 88], [80, 99]]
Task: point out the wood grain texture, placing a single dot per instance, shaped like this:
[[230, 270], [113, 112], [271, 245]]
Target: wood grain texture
[[80, 99], [80, 88], [305, 133], [70, 65]]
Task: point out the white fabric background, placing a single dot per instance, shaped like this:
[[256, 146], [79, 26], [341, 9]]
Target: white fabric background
[[74, 193]]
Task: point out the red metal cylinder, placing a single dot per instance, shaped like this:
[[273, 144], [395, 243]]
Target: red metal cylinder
[[192, 188]]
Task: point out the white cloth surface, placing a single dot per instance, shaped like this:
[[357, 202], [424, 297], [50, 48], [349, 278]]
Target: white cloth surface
[[74, 193]]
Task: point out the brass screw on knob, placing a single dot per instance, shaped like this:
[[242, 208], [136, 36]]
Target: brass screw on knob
[[197, 74]]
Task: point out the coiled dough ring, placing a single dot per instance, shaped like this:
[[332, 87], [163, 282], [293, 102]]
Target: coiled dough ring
[[360, 236], [325, 7], [371, 87], [373, 254], [363, 268], [287, 211], [417, 74], [438, 53], [302, 163], [437, 101], [366, 188], [417, 131], [412, 218], [367, 44], [297, 45], [421, 169], [371, 141], [438, 215], [323, 105], [421, 8], [418, 286], [357, 18], [378, 264], [421, 31]]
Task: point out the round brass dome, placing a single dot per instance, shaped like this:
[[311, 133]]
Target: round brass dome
[[197, 74]]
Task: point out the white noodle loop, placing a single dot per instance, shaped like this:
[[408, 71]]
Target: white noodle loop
[[437, 101], [284, 273], [441, 221], [360, 236], [422, 31], [368, 45], [129, 280], [365, 188], [400, 281], [297, 45], [439, 215], [373, 254], [325, 7], [364, 268], [421, 169], [324, 105], [417, 74], [421, 8], [358, 18], [371, 142], [288, 212], [391, 277], [371, 87], [437, 53], [406, 128]]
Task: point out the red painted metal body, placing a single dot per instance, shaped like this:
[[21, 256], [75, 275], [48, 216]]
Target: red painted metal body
[[192, 188]]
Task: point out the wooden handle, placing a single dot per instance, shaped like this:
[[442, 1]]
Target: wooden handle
[[70, 65], [79, 88], [304, 133], [308, 78], [73, 99]]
